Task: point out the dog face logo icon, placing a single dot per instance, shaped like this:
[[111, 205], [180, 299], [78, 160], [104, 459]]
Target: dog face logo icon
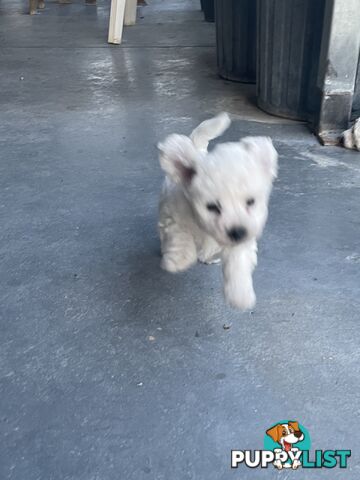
[[287, 435]]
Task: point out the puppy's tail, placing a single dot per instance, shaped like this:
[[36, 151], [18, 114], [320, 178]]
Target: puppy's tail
[[209, 130]]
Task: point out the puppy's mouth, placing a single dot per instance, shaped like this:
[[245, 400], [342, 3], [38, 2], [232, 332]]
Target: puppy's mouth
[[287, 446]]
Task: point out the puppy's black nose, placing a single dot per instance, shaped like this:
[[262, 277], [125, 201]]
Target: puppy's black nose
[[298, 434], [237, 234]]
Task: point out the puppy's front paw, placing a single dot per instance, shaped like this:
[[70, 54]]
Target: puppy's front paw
[[174, 264], [209, 260], [277, 464], [242, 298]]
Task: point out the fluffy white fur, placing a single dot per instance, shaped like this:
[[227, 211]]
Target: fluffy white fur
[[351, 137], [214, 205]]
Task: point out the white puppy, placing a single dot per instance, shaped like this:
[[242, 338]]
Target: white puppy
[[214, 205]]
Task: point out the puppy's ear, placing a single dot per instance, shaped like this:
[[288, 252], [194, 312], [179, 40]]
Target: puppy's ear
[[295, 426], [263, 150], [178, 158], [275, 433]]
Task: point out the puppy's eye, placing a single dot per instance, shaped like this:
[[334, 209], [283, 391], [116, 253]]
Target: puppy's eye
[[284, 433], [250, 202], [214, 207]]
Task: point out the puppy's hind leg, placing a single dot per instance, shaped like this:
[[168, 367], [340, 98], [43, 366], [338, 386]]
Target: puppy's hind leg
[[177, 247]]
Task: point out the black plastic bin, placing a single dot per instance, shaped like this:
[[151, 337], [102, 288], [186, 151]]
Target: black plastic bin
[[289, 41], [236, 39], [207, 6]]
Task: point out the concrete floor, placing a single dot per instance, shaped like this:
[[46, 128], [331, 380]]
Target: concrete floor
[[109, 367]]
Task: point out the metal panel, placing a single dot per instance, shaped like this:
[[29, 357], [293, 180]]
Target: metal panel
[[337, 72], [356, 101]]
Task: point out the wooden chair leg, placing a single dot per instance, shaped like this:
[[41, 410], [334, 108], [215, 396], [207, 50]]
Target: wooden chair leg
[[130, 12], [33, 6], [116, 22]]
